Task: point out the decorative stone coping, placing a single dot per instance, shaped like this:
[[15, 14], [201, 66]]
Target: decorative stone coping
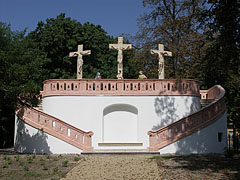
[[56, 127], [120, 144], [191, 124], [126, 87]]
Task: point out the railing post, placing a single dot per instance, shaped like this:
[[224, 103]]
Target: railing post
[[120, 85], [82, 86], [152, 141], [88, 142]]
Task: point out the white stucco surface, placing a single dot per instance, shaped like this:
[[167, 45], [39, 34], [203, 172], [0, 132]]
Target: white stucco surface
[[31, 140], [120, 119], [203, 141]]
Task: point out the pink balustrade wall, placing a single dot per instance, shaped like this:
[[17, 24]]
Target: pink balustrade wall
[[56, 127], [191, 124], [109, 87]]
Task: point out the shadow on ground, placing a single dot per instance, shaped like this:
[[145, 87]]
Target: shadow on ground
[[230, 167]]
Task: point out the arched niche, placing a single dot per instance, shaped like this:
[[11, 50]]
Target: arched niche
[[120, 124]]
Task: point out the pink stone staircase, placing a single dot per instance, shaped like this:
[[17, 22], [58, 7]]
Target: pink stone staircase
[[192, 123], [55, 127]]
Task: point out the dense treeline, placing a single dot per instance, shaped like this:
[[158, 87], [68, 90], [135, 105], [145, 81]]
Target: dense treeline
[[27, 60], [203, 36]]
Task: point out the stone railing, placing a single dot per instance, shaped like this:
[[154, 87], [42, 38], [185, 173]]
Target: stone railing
[[120, 87], [56, 127], [191, 124]]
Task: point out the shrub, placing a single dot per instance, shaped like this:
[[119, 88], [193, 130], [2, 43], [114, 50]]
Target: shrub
[[26, 168], [76, 158], [45, 168], [9, 161], [29, 160], [17, 158], [4, 165], [55, 170], [33, 156], [20, 163], [65, 163]]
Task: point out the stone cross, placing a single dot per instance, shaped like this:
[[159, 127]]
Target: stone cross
[[161, 53], [79, 53], [120, 47]]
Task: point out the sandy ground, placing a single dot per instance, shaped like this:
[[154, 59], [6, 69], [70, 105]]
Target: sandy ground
[[144, 167], [119, 167]]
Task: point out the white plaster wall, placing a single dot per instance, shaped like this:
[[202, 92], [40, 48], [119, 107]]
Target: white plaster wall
[[115, 129], [203, 141], [153, 112], [31, 140]]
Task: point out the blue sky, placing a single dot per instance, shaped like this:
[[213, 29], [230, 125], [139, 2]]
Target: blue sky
[[115, 16]]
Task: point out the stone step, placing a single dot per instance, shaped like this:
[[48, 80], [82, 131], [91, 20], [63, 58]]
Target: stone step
[[119, 151], [205, 102], [120, 144], [40, 105]]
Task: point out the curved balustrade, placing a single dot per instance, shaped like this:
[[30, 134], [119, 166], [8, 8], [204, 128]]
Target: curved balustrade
[[191, 124], [56, 127], [109, 87]]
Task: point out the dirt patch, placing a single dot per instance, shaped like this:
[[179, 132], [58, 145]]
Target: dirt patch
[[198, 167], [52, 167], [111, 167]]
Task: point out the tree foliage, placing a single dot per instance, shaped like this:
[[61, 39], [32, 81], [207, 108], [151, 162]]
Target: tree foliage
[[27, 60], [59, 36], [176, 25], [222, 60], [204, 39], [21, 75]]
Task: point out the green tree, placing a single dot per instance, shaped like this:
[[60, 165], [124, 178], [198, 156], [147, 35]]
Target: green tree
[[59, 36], [176, 25], [222, 61], [27, 60], [21, 76]]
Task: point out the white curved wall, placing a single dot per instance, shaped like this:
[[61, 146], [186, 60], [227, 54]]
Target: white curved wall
[[203, 141], [89, 113], [31, 140]]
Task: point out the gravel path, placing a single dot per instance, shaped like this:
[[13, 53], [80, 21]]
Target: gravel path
[[119, 167], [144, 167]]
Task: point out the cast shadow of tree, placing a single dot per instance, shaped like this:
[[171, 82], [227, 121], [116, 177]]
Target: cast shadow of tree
[[26, 143], [194, 107], [165, 110], [197, 144], [211, 163]]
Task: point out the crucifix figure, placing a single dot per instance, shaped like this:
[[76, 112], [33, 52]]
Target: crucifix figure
[[120, 47], [79, 53], [161, 53]]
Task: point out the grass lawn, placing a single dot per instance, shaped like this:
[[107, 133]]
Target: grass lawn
[[22, 166]]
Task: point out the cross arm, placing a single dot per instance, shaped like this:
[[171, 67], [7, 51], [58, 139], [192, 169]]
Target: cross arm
[[87, 52], [73, 54], [113, 46], [120, 46], [167, 53], [154, 51]]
